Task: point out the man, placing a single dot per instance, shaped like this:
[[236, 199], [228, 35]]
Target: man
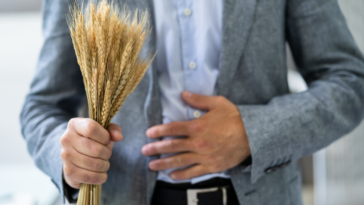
[[213, 116]]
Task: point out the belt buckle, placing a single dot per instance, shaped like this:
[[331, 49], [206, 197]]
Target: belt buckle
[[192, 195]]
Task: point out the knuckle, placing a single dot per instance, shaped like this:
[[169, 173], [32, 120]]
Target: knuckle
[[86, 178], [214, 163], [96, 178], [67, 170], [97, 165], [91, 178], [64, 139], [90, 163], [85, 143], [172, 129], [64, 155], [91, 127], [96, 149], [210, 160], [220, 98], [179, 161], [201, 144], [170, 145], [217, 166], [72, 122], [197, 97], [197, 127], [107, 165]]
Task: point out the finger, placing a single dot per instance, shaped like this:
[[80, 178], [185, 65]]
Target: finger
[[115, 132], [76, 176], [176, 161], [91, 129], [91, 148], [170, 129], [110, 145], [194, 171], [90, 163], [202, 102], [167, 146]]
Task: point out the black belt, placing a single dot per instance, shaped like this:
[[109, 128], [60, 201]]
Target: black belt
[[211, 192]]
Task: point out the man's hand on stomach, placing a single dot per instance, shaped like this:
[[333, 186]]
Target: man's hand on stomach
[[215, 142]]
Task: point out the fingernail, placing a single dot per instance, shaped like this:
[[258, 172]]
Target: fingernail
[[187, 94], [173, 176], [150, 132], [153, 166], [117, 131], [145, 150]]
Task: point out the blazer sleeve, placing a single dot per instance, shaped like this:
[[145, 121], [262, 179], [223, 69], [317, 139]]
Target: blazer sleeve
[[55, 94], [295, 125]]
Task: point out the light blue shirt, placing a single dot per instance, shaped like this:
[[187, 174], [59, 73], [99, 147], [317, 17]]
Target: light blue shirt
[[188, 53]]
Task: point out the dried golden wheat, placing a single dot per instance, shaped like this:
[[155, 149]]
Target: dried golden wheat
[[107, 43]]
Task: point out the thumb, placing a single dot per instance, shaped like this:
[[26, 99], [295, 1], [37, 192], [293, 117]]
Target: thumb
[[115, 132], [198, 101]]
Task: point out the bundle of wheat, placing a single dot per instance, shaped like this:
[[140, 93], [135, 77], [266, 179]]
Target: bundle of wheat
[[107, 43]]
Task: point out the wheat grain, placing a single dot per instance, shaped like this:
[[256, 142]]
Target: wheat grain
[[111, 35], [106, 104], [101, 50]]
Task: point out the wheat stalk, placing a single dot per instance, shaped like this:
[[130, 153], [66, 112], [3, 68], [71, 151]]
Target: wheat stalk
[[107, 43]]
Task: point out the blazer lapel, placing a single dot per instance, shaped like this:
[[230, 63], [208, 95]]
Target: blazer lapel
[[237, 19]]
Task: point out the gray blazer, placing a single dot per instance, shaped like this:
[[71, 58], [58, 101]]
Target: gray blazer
[[281, 127]]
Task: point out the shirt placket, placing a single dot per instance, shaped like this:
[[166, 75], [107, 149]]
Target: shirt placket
[[192, 77]]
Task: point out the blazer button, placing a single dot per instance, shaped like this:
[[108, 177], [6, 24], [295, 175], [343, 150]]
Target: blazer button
[[275, 168], [268, 170]]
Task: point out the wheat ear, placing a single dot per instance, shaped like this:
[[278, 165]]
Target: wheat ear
[[107, 44]]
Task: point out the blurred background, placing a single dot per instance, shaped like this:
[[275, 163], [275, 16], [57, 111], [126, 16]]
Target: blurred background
[[333, 176]]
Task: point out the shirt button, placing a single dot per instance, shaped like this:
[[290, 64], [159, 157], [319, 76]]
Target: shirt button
[[197, 114], [187, 12], [192, 65]]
